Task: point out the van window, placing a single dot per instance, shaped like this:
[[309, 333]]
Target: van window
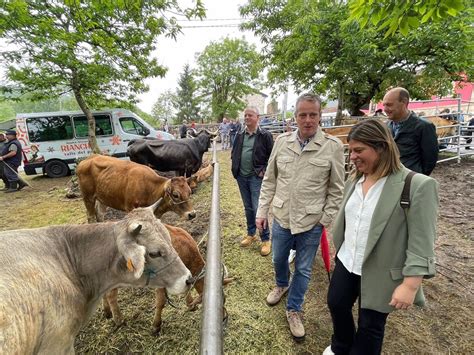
[[52, 128], [103, 125], [131, 125]]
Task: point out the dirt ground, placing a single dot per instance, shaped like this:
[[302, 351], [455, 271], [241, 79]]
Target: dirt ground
[[443, 326]]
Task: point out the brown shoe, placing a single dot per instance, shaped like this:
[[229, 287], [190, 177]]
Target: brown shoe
[[275, 296], [266, 248], [295, 321], [247, 241]]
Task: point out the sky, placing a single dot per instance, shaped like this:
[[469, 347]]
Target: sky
[[175, 54]]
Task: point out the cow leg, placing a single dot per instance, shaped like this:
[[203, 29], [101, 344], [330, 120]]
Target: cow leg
[[100, 211], [90, 209], [111, 307], [160, 300]]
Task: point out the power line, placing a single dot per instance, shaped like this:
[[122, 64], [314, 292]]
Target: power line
[[212, 19]]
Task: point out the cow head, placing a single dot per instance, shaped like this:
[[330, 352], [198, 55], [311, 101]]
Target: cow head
[[148, 255], [177, 198]]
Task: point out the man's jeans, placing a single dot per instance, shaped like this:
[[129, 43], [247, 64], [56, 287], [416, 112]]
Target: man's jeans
[[306, 244], [250, 191]]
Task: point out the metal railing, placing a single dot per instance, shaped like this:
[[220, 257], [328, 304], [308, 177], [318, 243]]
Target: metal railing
[[213, 305]]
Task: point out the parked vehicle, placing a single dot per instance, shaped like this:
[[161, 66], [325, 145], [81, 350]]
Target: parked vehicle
[[52, 141]]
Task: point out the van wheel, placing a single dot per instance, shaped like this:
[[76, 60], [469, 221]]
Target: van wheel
[[56, 169]]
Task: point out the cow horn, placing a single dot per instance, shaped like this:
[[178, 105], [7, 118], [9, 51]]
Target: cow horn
[[157, 204]]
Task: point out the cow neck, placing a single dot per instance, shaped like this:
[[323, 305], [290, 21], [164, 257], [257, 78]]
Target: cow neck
[[93, 255]]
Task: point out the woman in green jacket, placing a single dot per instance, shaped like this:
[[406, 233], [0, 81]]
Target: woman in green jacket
[[383, 250]]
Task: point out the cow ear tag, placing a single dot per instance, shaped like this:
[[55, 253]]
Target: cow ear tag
[[130, 266]]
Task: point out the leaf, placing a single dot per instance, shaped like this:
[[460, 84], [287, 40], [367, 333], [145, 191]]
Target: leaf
[[428, 15]]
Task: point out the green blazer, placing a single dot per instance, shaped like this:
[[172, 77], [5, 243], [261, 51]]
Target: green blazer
[[397, 245]]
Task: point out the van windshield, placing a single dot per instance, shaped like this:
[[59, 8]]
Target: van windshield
[[132, 126]]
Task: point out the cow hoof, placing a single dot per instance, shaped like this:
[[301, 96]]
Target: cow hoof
[[156, 330], [107, 313], [119, 321]]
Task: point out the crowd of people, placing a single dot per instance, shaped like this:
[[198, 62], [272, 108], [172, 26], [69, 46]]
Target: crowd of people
[[383, 218]]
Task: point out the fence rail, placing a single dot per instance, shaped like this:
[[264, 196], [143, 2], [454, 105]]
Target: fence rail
[[213, 305]]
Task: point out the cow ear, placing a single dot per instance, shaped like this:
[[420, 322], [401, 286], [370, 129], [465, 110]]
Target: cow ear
[[133, 253], [192, 179]]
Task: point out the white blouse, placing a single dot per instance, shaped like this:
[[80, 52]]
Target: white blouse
[[358, 215]]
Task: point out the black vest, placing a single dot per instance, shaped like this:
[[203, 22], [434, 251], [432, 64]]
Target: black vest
[[14, 161]]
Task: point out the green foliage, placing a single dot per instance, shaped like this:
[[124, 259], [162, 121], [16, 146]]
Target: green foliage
[[227, 71], [313, 45], [186, 99], [98, 50], [163, 109], [402, 16]]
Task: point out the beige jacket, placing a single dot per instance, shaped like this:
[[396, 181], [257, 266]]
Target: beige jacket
[[305, 187]]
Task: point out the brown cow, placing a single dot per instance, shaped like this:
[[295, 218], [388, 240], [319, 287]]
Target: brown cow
[[339, 132], [188, 251], [441, 122], [200, 176], [125, 185]]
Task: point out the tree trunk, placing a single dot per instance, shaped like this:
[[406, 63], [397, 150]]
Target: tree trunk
[[90, 119], [340, 105]]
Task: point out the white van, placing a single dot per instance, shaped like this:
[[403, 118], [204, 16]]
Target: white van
[[52, 141]]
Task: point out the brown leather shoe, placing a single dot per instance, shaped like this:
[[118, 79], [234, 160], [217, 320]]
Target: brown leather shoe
[[275, 296], [248, 240], [266, 248], [295, 321]]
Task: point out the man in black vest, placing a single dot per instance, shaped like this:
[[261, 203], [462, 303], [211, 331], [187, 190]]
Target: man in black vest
[[11, 157]]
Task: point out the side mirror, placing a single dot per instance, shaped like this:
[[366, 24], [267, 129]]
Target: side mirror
[[145, 131]]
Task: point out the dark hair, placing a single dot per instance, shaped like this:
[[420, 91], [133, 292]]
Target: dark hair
[[375, 134]]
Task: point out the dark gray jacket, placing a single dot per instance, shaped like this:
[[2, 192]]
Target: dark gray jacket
[[418, 144], [260, 154]]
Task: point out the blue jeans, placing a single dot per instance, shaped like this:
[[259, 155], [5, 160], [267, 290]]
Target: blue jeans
[[306, 244], [250, 191]]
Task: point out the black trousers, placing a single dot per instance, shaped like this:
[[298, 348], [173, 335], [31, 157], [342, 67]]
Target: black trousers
[[367, 339]]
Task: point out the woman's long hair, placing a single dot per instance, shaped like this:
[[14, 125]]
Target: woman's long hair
[[375, 134]]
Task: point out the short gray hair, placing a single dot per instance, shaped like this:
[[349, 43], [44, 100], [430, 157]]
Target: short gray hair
[[254, 109], [308, 96]]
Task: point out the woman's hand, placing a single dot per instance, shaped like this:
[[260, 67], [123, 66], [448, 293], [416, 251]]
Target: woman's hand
[[404, 295]]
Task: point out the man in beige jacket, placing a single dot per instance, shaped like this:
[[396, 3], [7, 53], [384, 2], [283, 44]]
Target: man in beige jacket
[[304, 184]]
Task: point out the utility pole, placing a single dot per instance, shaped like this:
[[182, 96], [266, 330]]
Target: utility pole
[[284, 105]]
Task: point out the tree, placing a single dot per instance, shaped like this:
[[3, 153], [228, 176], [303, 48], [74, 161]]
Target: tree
[[315, 46], [97, 50], [402, 15], [186, 99], [227, 71], [163, 108]]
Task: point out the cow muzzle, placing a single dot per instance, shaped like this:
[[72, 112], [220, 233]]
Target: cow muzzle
[[190, 215]]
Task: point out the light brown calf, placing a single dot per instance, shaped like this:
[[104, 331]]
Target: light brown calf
[[200, 176]]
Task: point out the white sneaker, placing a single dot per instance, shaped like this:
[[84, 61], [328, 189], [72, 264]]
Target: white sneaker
[[292, 255], [328, 351]]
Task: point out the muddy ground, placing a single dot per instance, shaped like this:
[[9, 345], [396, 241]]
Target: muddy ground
[[443, 326]]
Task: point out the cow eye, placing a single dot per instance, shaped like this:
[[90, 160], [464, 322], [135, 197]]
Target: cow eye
[[154, 255], [175, 194]]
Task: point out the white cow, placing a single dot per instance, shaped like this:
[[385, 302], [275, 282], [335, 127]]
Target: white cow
[[52, 278]]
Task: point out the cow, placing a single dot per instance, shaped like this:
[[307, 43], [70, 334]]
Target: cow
[[201, 175], [443, 124], [125, 185], [188, 251], [52, 278], [183, 155]]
